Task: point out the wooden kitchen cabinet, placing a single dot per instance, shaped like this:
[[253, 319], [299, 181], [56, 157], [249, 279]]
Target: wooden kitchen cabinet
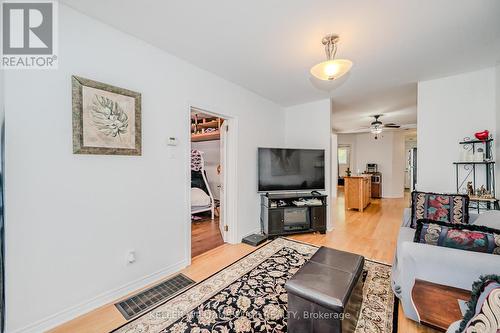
[[357, 192]]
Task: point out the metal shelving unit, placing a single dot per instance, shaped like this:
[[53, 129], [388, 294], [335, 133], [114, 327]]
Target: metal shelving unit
[[470, 173]]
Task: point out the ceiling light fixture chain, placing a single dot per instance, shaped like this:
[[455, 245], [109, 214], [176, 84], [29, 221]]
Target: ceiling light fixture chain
[[330, 42]]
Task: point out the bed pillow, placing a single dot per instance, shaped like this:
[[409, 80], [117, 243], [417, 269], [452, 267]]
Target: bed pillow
[[199, 197], [458, 236], [451, 208], [484, 306]]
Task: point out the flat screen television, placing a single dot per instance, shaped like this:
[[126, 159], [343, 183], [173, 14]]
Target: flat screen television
[[282, 169]]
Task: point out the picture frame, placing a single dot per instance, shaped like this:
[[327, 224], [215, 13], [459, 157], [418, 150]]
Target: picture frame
[[106, 119]]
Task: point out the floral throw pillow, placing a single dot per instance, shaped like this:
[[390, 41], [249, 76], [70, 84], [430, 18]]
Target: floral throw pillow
[[451, 208], [483, 314], [458, 236]]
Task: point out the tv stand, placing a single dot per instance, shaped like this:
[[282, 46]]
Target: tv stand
[[292, 213]]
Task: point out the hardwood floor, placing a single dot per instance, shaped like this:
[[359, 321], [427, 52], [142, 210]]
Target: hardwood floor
[[205, 235], [372, 233]]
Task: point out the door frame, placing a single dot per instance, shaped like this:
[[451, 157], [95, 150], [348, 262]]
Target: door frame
[[230, 175]]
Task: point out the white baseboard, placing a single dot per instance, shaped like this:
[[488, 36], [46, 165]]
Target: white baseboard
[[98, 301]]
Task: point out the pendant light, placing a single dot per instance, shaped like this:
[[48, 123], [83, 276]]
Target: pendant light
[[332, 68]]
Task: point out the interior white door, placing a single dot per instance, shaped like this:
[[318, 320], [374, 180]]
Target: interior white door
[[223, 179]]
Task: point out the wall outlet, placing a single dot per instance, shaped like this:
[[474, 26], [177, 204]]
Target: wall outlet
[[131, 257]]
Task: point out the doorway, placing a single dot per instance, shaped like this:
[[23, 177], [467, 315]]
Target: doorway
[[209, 153], [343, 162]]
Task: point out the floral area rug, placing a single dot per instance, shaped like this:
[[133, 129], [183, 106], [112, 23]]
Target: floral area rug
[[249, 296]]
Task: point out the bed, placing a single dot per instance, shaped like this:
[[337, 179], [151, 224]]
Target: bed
[[202, 199]]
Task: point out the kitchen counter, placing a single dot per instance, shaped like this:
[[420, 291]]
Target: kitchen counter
[[357, 191], [359, 176]]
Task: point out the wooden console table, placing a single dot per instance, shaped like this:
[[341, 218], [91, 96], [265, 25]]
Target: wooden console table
[[437, 305]]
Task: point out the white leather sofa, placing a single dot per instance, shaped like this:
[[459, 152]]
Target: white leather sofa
[[446, 266]]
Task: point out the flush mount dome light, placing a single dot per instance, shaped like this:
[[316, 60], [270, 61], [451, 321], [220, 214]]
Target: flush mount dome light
[[332, 68]]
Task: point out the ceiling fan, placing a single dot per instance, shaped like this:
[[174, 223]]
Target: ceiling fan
[[376, 127]]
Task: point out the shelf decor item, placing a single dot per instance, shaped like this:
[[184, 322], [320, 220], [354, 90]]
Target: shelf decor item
[[470, 189], [106, 119], [482, 136]]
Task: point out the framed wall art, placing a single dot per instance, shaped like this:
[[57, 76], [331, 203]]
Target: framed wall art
[[106, 119]]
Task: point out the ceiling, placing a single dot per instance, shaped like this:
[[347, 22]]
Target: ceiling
[[268, 46], [396, 104]]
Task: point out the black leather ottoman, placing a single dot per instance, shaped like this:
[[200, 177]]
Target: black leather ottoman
[[325, 295]]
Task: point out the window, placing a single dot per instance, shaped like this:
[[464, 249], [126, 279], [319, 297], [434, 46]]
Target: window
[[343, 155]]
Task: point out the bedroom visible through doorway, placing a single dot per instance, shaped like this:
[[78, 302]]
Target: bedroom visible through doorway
[[208, 153]]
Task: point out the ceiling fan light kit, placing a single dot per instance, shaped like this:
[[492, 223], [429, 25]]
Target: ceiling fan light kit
[[376, 127], [332, 68]]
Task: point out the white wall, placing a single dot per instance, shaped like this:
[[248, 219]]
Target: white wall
[[450, 109], [387, 152], [308, 126], [71, 219], [335, 165], [211, 155], [398, 166]]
